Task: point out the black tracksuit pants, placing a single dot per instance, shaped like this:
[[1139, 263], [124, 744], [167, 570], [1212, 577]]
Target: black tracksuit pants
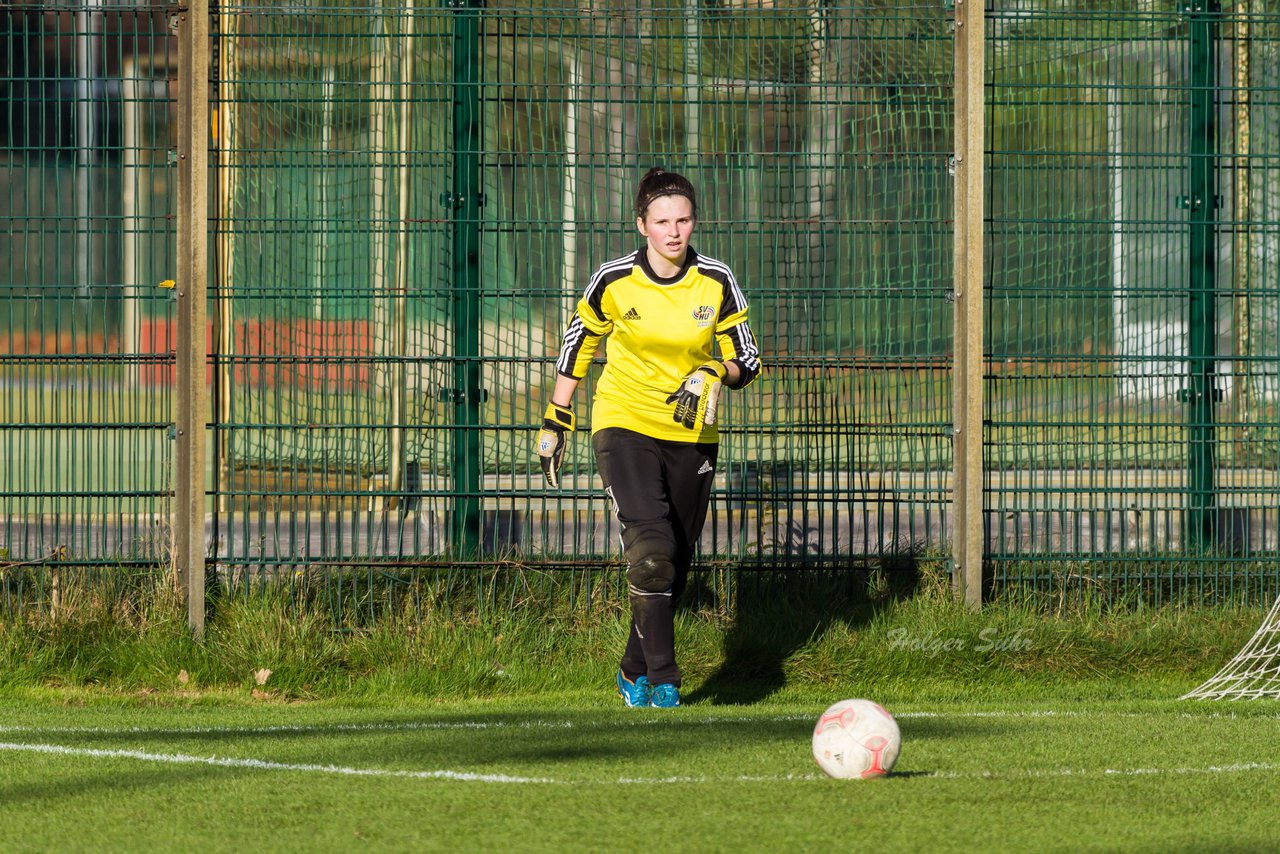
[[660, 491]]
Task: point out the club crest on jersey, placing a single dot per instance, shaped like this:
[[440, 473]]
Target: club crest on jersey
[[704, 314]]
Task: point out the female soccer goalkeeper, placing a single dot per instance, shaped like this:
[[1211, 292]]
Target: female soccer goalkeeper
[[667, 310]]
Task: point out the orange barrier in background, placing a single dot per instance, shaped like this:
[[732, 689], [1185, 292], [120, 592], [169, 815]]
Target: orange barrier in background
[[56, 343], [329, 353]]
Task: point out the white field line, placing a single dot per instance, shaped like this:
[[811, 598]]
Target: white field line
[[1233, 768], [264, 765], [641, 718], [1080, 713], [472, 777], [637, 718], [983, 775], [404, 726]]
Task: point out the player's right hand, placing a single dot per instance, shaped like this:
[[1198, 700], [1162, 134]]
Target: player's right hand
[[553, 438], [697, 398]]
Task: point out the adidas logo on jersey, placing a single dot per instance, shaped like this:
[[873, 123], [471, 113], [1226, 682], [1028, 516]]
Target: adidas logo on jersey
[[631, 315], [706, 467]]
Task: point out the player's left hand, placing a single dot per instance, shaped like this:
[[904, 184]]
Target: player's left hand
[[699, 395], [553, 438]]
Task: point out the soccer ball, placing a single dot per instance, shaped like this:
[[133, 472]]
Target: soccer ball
[[856, 739]]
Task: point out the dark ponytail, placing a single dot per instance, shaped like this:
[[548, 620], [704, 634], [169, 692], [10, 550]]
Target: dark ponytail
[[658, 182]]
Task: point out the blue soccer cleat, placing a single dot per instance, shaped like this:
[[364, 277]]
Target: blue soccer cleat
[[635, 693], [665, 696]]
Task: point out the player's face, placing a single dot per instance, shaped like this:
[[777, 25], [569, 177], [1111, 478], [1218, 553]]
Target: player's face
[[668, 225]]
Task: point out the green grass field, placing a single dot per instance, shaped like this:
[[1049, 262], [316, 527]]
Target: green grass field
[[1025, 728], [574, 772]]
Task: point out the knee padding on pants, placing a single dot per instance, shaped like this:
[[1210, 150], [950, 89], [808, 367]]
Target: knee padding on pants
[[650, 565], [652, 575]]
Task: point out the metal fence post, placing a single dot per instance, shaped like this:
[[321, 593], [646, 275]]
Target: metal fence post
[[1202, 201], [967, 390], [465, 199], [190, 393]]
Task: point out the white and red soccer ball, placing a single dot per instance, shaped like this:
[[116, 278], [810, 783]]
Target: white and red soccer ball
[[856, 739]]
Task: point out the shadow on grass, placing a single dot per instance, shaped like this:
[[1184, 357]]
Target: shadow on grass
[[540, 744], [779, 611], [64, 783], [533, 743]]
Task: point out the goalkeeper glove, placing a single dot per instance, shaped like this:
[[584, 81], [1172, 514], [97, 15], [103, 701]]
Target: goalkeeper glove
[[557, 424], [699, 394]]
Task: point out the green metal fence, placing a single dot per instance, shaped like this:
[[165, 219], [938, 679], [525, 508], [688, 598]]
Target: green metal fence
[[86, 232], [405, 201], [1134, 158]]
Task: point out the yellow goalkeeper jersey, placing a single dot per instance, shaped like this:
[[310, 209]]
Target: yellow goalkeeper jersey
[[659, 331]]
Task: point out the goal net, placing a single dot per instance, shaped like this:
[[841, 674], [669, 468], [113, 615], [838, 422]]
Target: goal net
[[1254, 672]]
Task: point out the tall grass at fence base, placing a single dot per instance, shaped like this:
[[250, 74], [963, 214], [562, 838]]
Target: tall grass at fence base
[[882, 631]]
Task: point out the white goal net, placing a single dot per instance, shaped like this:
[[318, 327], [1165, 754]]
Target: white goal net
[[1254, 672]]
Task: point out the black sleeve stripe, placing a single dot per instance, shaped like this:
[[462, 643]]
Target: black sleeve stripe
[[728, 321], [609, 271], [744, 342], [734, 301], [574, 337], [578, 336], [739, 337], [578, 349]]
